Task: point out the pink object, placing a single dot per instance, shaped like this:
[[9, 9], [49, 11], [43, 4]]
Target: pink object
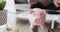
[[31, 2], [37, 17]]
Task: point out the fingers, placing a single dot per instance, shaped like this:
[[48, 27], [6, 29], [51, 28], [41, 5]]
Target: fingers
[[32, 26], [42, 26], [31, 2]]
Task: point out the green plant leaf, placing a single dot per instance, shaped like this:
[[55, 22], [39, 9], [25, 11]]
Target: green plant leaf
[[2, 5]]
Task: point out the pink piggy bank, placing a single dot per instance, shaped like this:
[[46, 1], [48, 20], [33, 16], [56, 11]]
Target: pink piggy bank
[[37, 17]]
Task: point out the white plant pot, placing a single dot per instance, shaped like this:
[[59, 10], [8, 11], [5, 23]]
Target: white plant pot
[[3, 17]]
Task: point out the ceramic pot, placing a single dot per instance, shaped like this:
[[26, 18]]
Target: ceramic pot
[[3, 17]]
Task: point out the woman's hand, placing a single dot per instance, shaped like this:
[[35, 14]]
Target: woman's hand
[[31, 2]]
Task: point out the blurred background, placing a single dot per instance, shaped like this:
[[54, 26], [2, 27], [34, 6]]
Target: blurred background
[[23, 25], [20, 1], [22, 6]]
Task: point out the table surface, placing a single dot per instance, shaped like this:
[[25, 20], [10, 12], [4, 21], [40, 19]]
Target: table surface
[[24, 16]]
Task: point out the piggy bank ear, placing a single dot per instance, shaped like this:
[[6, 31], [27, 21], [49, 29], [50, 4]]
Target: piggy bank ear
[[31, 11]]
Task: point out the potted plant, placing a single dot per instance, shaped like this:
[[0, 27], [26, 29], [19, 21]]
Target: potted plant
[[3, 12]]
